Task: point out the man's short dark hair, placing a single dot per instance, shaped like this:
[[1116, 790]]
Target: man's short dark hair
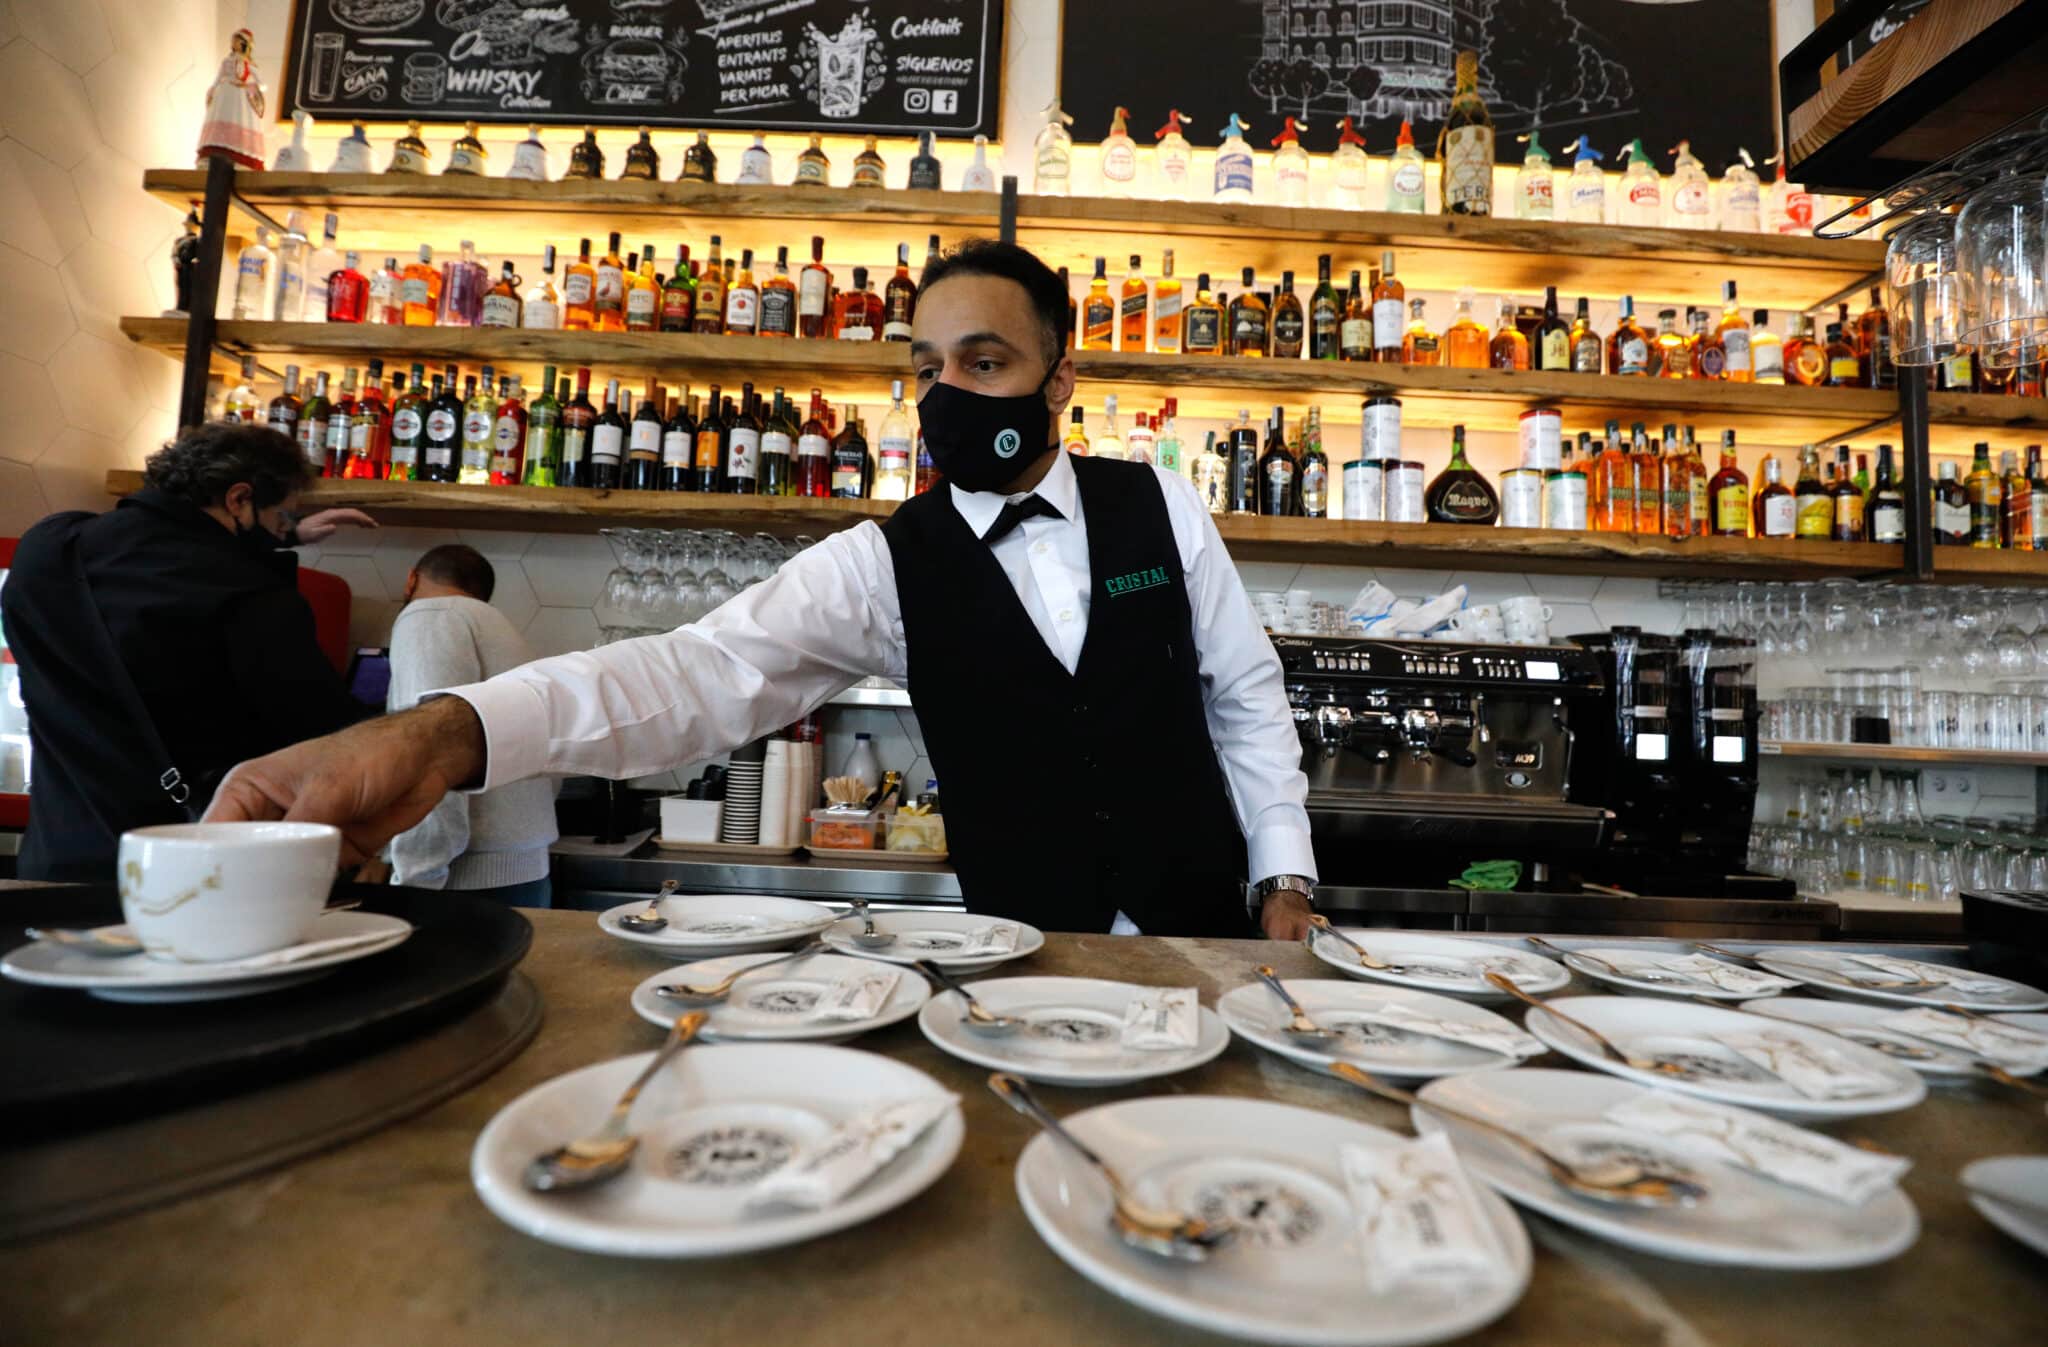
[[461, 566], [992, 257], [204, 462]]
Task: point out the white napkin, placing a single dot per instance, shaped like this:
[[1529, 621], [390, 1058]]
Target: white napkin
[[1503, 1038], [1761, 1145], [1433, 613], [840, 1161], [857, 997], [315, 949], [1000, 938], [1371, 604], [1162, 1019], [1918, 970], [1727, 976], [1419, 1215], [2008, 1045], [1816, 1071]]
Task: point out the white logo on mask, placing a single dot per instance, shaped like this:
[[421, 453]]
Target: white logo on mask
[[1008, 443]]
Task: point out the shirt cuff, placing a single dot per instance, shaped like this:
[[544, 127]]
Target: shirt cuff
[[1280, 850], [515, 718]]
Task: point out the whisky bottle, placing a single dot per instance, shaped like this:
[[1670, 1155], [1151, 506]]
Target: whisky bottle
[[1289, 324], [709, 318], [1848, 521], [868, 169], [1278, 470], [1806, 360], [420, 291], [1418, 344], [899, 299], [1354, 331], [1696, 481], [1167, 312], [1315, 468], [1773, 508], [1766, 351], [857, 313], [2016, 516], [924, 166], [1459, 494], [1845, 369], [1645, 464], [608, 298], [1389, 306], [1509, 349], [1098, 312], [1708, 356], [1133, 318], [579, 291], [1874, 344], [643, 162], [1248, 320], [1738, 362], [2037, 499], [813, 293], [1629, 347], [1884, 509], [1467, 145], [282, 415], [699, 163], [643, 294], [1589, 352], [1986, 493], [1670, 356], [1813, 508], [1204, 331], [778, 299], [1951, 513], [1674, 470], [1552, 348], [1325, 316], [1611, 491], [813, 169], [1728, 495], [1465, 345]]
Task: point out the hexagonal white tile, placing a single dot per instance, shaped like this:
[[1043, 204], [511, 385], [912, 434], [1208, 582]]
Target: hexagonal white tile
[[116, 207], [104, 284], [131, 109], [33, 414], [1267, 575], [73, 31], [39, 214], [73, 470], [498, 544], [399, 550], [513, 595], [567, 569], [21, 499], [557, 631], [181, 33], [93, 377], [35, 314], [43, 105], [364, 581]]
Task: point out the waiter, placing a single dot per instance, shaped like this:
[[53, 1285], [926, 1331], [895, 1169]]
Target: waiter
[[1099, 701]]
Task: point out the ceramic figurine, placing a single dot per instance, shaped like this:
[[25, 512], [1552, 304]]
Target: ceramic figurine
[[467, 155], [410, 153], [295, 157], [185, 262], [586, 160], [643, 164], [234, 108], [530, 158], [352, 152]]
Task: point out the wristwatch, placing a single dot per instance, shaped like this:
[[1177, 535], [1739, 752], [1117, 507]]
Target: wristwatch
[[1273, 884]]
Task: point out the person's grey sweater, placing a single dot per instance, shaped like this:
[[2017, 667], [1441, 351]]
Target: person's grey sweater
[[495, 837]]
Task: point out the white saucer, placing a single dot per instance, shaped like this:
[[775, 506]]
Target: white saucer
[[1859, 1022], [1294, 1274], [1253, 1012], [1666, 1030], [2023, 1177], [1745, 1220], [1801, 965], [701, 925], [936, 936], [137, 977], [776, 1004], [1463, 963], [1075, 1034], [1664, 982], [713, 1123]]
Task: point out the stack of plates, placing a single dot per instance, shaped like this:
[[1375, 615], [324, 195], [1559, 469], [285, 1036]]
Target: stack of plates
[[740, 823]]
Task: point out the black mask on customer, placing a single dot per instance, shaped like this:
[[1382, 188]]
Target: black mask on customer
[[978, 441], [258, 539]]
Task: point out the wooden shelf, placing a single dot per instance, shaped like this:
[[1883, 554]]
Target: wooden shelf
[[393, 215], [1956, 421], [1340, 542], [1990, 566], [1903, 755]]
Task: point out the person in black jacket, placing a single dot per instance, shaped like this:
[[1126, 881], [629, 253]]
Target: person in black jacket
[[187, 586]]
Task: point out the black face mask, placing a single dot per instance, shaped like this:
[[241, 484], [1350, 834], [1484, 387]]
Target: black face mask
[[258, 539], [978, 441]]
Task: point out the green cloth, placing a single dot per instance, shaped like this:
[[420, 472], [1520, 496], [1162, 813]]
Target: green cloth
[[1501, 875]]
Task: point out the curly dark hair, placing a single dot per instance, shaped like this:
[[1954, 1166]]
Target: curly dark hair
[[1008, 261], [204, 462]]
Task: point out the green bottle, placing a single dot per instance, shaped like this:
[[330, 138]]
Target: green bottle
[[544, 434]]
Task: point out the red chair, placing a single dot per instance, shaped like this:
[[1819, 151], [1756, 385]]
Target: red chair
[[328, 596]]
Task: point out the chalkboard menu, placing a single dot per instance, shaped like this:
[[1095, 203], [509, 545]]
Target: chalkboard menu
[[892, 67], [1610, 69], [1883, 26]]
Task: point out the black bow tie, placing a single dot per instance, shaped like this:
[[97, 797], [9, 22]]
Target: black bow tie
[[1016, 512]]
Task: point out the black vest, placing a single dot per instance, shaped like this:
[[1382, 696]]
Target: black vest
[[1069, 797]]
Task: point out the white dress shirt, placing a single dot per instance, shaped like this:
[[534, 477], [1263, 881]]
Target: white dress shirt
[[829, 618]]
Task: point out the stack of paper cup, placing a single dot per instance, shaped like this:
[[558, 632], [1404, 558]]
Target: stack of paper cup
[[740, 824], [775, 777]]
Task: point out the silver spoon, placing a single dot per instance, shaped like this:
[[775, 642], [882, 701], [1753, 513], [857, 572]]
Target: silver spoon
[[1600, 1040], [1612, 1180], [717, 991], [979, 1018], [650, 921], [867, 937], [104, 943], [1874, 984], [1300, 1028], [1651, 975], [605, 1153], [1170, 1234]]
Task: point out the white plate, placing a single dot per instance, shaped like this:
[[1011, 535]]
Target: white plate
[[1653, 1027], [137, 977], [777, 1002], [713, 1123], [1254, 1013], [1075, 1034], [1457, 959], [2037, 1022], [1859, 1022], [1672, 983], [2024, 1177], [934, 936], [1802, 965], [1293, 1274], [700, 925], [1745, 1220]]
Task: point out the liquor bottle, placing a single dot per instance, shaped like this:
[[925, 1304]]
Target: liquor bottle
[[1325, 316], [1996, 379], [1986, 493], [924, 165], [899, 299], [1789, 208], [340, 428], [778, 441], [1773, 510], [1167, 314], [869, 172], [420, 291], [542, 308], [743, 299], [1648, 471], [501, 302], [1278, 471], [814, 290], [586, 158], [1675, 485], [1884, 506], [1564, 488], [757, 166], [1405, 175], [2016, 514], [708, 311], [1142, 443], [1241, 467], [1874, 344], [895, 449], [1813, 508], [579, 419], [1117, 157], [1709, 353], [641, 470], [1741, 196], [2027, 374], [643, 162], [1588, 350], [1728, 495], [1957, 374], [1289, 323], [1552, 348], [1290, 165], [708, 453], [1586, 198], [369, 435], [282, 415], [699, 163], [1629, 348], [1642, 191], [859, 313], [678, 296], [2037, 499], [1806, 360], [387, 284], [442, 439], [1109, 444], [1354, 329], [255, 280], [743, 446], [643, 292], [1696, 480], [813, 168], [508, 433], [408, 427], [1134, 304], [1466, 344], [1535, 184], [344, 293], [1848, 501], [608, 297], [1419, 345], [1052, 153], [464, 282], [579, 293], [310, 431], [852, 469], [1737, 341], [543, 451], [1098, 312], [1845, 369], [1862, 478], [778, 310], [1248, 319], [1204, 331], [1171, 155], [321, 265], [1668, 356], [1075, 441], [814, 452], [1167, 451], [1692, 197], [1467, 145], [1951, 512], [479, 408], [1314, 494], [1459, 495], [1766, 351], [679, 445], [1234, 162], [1508, 349], [1389, 310]]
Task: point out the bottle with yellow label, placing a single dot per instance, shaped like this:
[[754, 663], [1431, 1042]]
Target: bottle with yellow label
[[1813, 508], [1986, 494], [1728, 495], [1466, 148]]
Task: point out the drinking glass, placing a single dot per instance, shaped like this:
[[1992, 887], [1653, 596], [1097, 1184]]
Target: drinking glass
[[2001, 256], [1924, 290], [1922, 885]]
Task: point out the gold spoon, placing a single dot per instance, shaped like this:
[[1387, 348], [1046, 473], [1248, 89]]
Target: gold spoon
[[1605, 1045], [604, 1154]]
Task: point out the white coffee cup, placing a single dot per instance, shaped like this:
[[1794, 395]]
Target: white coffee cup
[[1527, 619], [210, 892], [1483, 623]]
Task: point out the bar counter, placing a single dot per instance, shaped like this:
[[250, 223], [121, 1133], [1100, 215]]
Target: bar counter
[[383, 1240]]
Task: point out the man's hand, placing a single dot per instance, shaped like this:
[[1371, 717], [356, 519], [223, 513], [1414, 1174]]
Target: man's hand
[[1284, 916], [319, 527], [372, 780]]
